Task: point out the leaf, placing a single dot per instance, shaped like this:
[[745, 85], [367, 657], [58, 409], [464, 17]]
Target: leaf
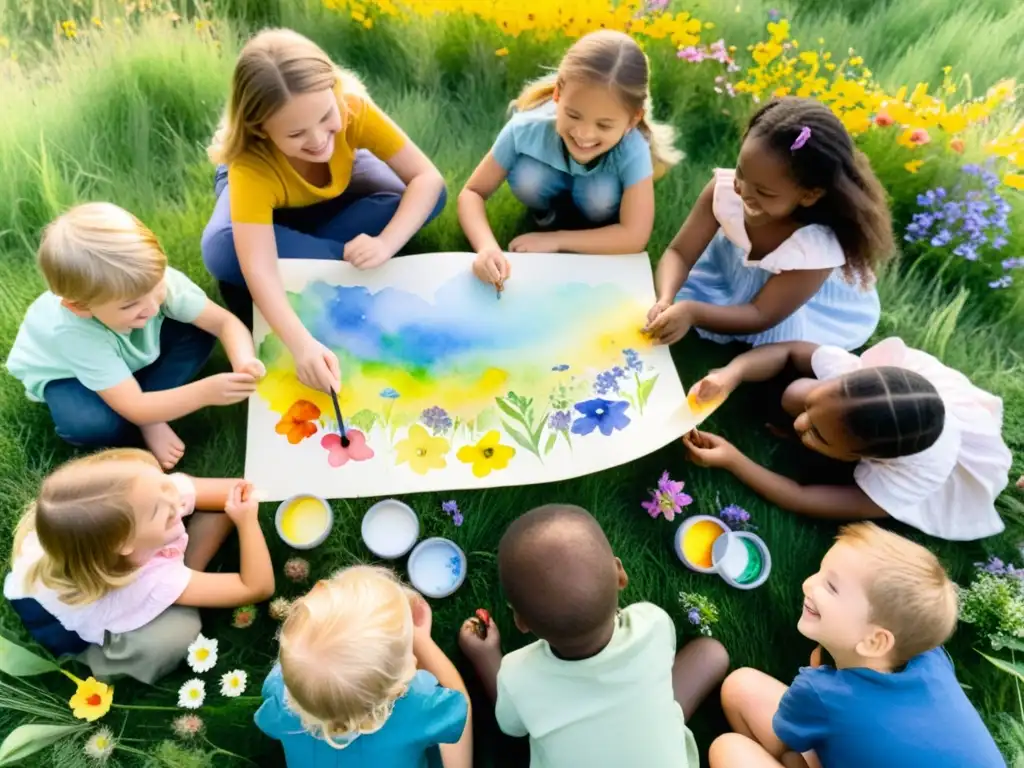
[[364, 420], [643, 391], [1009, 667], [1006, 641], [509, 411], [21, 662], [550, 443], [520, 438], [28, 739]]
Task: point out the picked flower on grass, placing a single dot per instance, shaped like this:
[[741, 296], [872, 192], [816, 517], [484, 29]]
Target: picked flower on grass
[[244, 617], [736, 517], [100, 745], [279, 608], [667, 499], [232, 683], [188, 726], [700, 611], [202, 654], [296, 569], [192, 694], [91, 700], [451, 508]]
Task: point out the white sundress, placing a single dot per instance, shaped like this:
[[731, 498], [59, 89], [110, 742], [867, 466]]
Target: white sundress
[[840, 314], [947, 490]]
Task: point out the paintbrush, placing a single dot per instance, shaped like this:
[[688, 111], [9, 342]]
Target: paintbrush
[[341, 422], [499, 287]]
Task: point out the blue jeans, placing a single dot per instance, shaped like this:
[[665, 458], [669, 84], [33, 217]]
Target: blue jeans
[[317, 231], [596, 197], [82, 418]]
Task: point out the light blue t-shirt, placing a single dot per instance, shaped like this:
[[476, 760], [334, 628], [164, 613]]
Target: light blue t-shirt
[[533, 133], [916, 718], [54, 343], [427, 715]]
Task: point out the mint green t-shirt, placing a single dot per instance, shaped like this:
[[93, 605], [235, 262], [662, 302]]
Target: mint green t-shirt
[[612, 710], [54, 343]]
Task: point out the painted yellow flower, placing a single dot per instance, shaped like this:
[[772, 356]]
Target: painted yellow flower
[[487, 455], [423, 451], [92, 699], [913, 166]]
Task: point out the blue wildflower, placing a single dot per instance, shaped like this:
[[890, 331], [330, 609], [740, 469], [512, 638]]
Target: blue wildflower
[[735, 517], [1015, 263], [971, 169], [449, 507], [1003, 282], [436, 419], [389, 393], [605, 415], [559, 421], [941, 239], [457, 519], [693, 616]]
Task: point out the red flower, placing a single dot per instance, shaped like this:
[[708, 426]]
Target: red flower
[[299, 422], [338, 454], [920, 136], [957, 145], [883, 120]]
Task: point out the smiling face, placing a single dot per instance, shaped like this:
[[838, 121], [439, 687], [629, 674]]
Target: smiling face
[[305, 127], [767, 188], [591, 119], [821, 426], [124, 315], [157, 506]]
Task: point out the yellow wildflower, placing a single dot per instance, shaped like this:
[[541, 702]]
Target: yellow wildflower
[[1014, 180], [913, 166], [70, 28], [501, 52]]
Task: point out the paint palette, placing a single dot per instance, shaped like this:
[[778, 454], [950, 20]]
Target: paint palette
[[304, 521], [705, 544], [437, 567], [390, 529]]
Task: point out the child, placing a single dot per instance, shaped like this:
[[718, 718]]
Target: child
[[112, 345], [346, 690], [926, 441], [784, 247], [308, 168], [581, 152], [103, 567], [882, 607], [602, 687]]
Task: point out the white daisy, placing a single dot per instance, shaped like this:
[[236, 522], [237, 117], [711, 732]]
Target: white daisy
[[202, 654], [100, 745], [233, 683], [192, 694]]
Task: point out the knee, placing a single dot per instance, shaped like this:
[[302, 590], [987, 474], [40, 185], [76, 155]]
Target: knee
[[180, 633], [599, 199], [794, 398], [90, 425], [531, 183], [739, 686], [725, 749], [218, 249], [714, 656]]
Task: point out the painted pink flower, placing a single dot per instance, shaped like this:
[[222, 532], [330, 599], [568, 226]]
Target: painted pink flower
[[338, 454], [668, 499]]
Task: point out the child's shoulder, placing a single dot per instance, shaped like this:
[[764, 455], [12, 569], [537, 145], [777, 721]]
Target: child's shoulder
[[47, 315]]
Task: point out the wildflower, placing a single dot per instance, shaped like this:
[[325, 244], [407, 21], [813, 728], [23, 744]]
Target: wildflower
[[501, 52], [691, 54], [957, 145], [736, 518], [1014, 263], [560, 421], [296, 569], [1014, 180], [202, 654], [100, 745], [70, 29], [694, 616], [913, 137], [188, 726], [994, 603], [279, 608], [451, 508], [913, 166], [1003, 282], [700, 611], [667, 499], [232, 684], [97, 22], [192, 694], [437, 420], [244, 617], [91, 700]]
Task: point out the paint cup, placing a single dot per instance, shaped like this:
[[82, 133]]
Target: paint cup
[[304, 521], [695, 539], [742, 559], [390, 528], [437, 567]]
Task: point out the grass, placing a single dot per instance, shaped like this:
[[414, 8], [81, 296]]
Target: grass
[[126, 119]]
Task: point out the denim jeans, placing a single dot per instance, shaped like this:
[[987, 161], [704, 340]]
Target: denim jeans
[[82, 418], [538, 186]]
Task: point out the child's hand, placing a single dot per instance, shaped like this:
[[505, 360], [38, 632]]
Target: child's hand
[[491, 266], [317, 367], [254, 367], [672, 324], [228, 388], [242, 503], [471, 642], [365, 252], [708, 450], [714, 387], [656, 310], [536, 242], [422, 619]]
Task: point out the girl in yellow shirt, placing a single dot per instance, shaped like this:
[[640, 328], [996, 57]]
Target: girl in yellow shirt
[[308, 168]]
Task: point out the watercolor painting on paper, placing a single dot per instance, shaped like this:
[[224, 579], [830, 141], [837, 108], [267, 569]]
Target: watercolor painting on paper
[[447, 386]]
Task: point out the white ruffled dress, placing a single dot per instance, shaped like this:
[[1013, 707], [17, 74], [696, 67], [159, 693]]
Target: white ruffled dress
[[947, 490], [840, 314]]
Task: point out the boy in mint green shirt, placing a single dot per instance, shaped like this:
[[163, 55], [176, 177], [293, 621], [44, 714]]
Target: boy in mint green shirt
[[602, 688], [112, 346]]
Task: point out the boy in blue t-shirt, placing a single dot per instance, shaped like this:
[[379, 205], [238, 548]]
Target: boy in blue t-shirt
[[882, 607]]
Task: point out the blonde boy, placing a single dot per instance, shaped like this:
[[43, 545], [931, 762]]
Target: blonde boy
[[113, 343], [882, 607]]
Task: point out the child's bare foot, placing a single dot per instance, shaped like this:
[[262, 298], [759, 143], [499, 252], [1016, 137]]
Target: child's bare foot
[[164, 443]]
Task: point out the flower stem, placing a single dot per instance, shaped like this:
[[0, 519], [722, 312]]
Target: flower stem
[[150, 708]]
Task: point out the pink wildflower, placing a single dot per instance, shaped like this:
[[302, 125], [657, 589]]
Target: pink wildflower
[[668, 499], [297, 569]]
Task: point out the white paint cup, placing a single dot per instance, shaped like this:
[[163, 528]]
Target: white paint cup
[[390, 529]]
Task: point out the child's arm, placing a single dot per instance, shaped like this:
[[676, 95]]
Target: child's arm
[[235, 337], [630, 235], [255, 580], [759, 364], [141, 408], [490, 266], [834, 502], [686, 247]]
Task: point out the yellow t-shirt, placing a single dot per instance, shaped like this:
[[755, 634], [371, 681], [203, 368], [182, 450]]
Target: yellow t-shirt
[[262, 179]]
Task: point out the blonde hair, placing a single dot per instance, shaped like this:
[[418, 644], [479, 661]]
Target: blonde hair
[[83, 517], [910, 592], [346, 652], [614, 59], [273, 66], [99, 252]]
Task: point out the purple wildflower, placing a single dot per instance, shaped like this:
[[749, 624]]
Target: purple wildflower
[[693, 616], [436, 419], [560, 421], [457, 518], [997, 567], [1003, 282], [667, 499], [1014, 263], [735, 517], [449, 507]]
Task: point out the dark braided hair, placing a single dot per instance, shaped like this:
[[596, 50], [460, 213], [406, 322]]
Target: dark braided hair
[[854, 204], [891, 411]]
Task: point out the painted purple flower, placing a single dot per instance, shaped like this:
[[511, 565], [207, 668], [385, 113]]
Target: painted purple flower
[[605, 415], [608, 381], [633, 361], [667, 499], [693, 616], [560, 421], [436, 419]]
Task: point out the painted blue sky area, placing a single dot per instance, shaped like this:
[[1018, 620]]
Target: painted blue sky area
[[466, 319]]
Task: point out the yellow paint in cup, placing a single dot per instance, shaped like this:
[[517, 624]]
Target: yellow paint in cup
[[698, 541], [304, 521]]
